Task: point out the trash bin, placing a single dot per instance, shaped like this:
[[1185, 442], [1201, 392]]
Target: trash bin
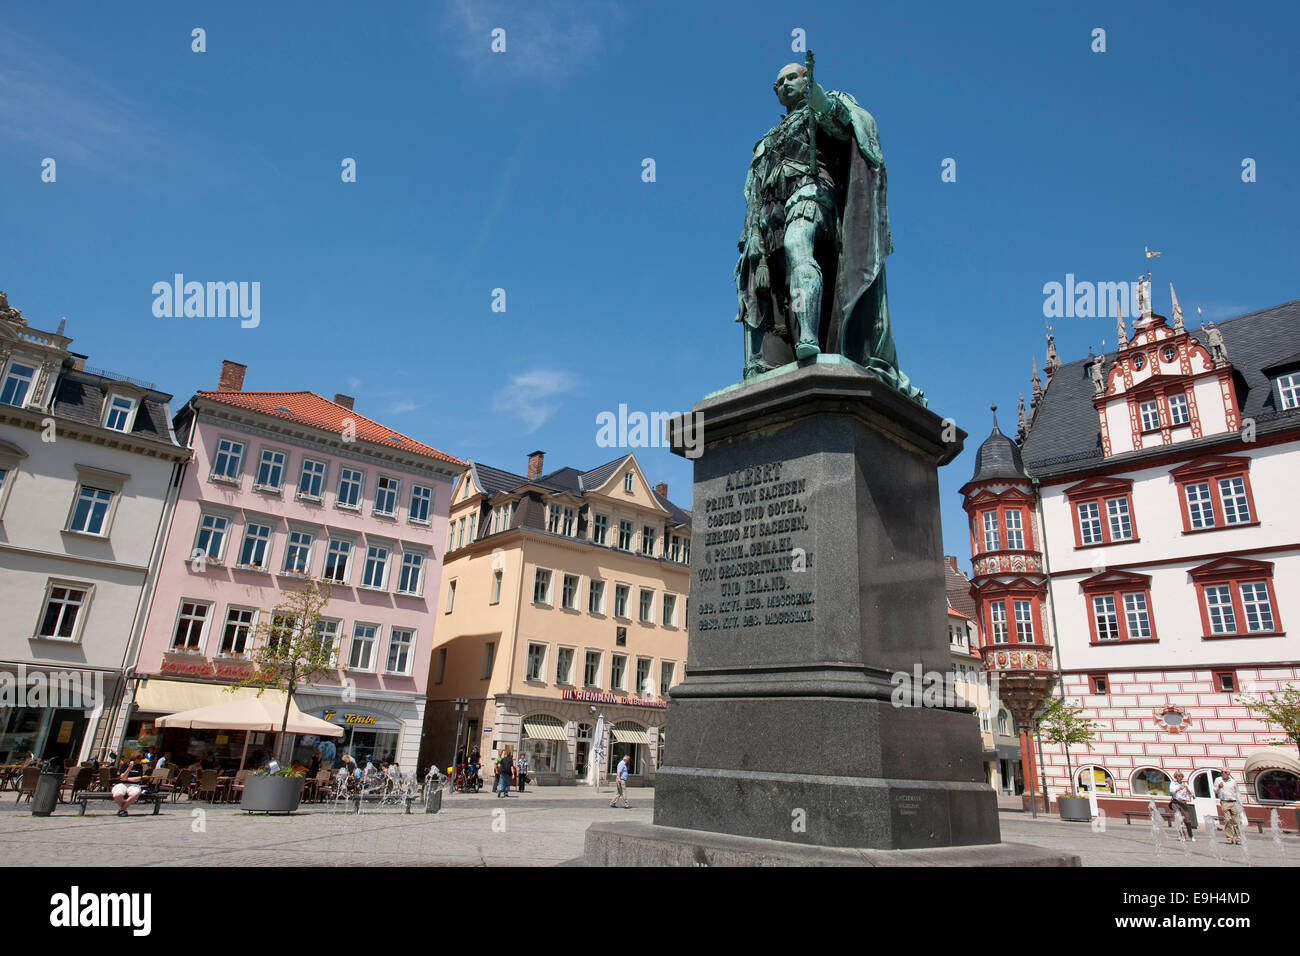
[[47, 793], [433, 802]]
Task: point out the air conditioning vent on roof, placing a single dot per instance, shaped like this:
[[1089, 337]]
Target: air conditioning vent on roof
[[396, 438], [281, 408]]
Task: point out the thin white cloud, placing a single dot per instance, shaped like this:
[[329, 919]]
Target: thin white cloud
[[542, 42], [533, 396], [399, 408]]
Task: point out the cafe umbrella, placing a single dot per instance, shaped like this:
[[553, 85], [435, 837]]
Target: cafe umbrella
[[263, 714]]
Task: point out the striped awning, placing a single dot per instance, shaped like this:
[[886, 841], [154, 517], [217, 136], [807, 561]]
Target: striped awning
[[626, 732], [544, 727], [1272, 758]]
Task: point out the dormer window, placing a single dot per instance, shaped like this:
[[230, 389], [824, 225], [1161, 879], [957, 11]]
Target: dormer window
[[1288, 387], [17, 383], [119, 413], [627, 482]]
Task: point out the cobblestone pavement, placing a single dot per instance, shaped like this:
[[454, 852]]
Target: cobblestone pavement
[[538, 828]]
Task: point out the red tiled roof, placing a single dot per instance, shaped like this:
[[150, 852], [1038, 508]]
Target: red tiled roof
[[308, 408], [956, 613]]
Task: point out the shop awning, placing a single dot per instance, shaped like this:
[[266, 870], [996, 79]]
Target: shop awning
[[264, 714], [172, 696], [544, 727], [626, 732], [1272, 758]]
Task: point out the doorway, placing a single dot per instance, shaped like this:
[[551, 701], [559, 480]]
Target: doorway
[[1204, 803]]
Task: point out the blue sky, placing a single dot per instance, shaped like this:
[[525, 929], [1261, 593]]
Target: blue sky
[[522, 171]]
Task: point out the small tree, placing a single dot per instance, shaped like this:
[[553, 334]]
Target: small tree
[[1280, 708], [1061, 722], [290, 646]]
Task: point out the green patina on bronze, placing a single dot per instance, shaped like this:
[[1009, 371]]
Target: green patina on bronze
[[816, 219]]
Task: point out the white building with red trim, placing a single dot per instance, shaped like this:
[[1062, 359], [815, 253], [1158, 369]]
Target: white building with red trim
[[1145, 529]]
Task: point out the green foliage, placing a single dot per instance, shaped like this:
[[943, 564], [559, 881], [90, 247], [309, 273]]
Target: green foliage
[[289, 647], [282, 772], [1060, 722], [1280, 708]]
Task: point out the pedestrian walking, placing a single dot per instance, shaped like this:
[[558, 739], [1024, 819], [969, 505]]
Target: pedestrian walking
[[621, 774], [505, 770], [1181, 801], [1229, 795]]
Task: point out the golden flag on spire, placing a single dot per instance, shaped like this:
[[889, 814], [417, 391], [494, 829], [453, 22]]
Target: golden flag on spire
[[1150, 254]]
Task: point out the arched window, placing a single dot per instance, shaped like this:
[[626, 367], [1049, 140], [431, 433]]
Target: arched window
[[1277, 785], [1096, 779], [1149, 782], [1004, 723]]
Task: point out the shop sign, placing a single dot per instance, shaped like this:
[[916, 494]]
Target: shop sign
[[595, 697], [349, 718], [204, 668]]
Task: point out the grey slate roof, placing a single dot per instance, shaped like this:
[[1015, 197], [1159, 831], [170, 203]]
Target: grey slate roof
[[1064, 435], [495, 480], [998, 457], [79, 397], [598, 476]]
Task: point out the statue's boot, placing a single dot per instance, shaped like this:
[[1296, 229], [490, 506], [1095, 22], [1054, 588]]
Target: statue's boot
[[806, 305], [754, 362]]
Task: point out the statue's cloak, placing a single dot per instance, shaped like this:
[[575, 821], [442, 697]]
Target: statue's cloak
[[858, 325]]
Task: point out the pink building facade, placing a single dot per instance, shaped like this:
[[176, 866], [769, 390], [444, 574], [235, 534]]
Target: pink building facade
[[283, 486]]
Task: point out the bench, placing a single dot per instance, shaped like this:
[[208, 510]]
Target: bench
[[1169, 818], [147, 796]]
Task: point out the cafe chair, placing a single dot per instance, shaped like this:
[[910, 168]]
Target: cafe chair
[[27, 785], [208, 785]]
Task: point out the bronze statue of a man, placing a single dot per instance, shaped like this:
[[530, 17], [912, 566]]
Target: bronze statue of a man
[[811, 275]]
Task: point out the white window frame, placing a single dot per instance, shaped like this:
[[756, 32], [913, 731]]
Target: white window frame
[[669, 607], [627, 482], [132, 406], [1179, 410], [571, 603], [423, 557], [450, 604], [348, 562], [265, 565], [31, 382], [992, 537], [1105, 615], [565, 679], [322, 475], [998, 622], [197, 551], [261, 460], [630, 528], [535, 675], [344, 471], [107, 481], [638, 685], [1121, 515], [410, 651], [201, 649], [1015, 529], [648, 538], [621, 683], [333, 636], [599, 666], [538, 571], [365, 567], [426, 496], [604, 593], [1149, 413], [1024, 622], [498, 578], [645, 614], [83, 610], [394, 490], [290, 547], [249, 635], [218, 452], [670, 669], [1288, 390], [369, 666], [600, 529], [627, 588]]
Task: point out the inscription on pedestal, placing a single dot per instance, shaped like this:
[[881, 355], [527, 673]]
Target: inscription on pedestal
[[755, 551]]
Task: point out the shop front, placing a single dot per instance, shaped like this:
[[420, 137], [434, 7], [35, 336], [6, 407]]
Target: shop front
[[557, 735], [379, 730], [159, 697], [51, 715]]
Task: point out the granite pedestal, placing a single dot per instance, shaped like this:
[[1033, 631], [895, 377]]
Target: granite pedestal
[[816, 581]]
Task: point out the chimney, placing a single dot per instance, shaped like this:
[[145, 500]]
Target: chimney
[[535, 463], [661, 489], [951, 561], [232, 376], [344, 400]]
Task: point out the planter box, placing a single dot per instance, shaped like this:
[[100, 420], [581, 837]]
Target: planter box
[[1075, 809], [272, 794]]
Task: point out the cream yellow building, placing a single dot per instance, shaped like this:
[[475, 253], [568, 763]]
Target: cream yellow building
[[563, 600]]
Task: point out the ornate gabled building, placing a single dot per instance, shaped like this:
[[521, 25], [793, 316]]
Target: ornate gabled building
[[1164, 553], [563, 602]]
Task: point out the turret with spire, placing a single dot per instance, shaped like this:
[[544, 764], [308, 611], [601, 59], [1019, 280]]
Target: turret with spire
[[1179, 328], [1022, 425], [1038, 385], [1053, 360]]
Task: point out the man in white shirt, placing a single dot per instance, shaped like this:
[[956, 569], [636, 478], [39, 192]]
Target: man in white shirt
[[1181, 802], [622, 784], [1229, 794]]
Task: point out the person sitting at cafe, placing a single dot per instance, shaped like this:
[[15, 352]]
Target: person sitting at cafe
[[127, 791], [313, 768]]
